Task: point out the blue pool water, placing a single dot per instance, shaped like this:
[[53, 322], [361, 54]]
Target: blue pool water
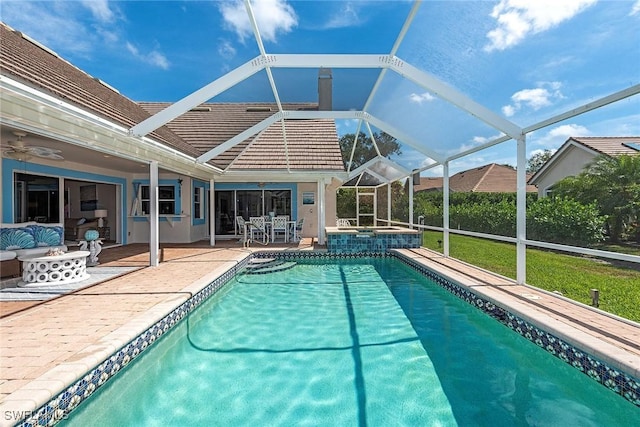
[[367, 342]]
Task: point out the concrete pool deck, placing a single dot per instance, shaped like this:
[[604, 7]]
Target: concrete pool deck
[[47, 346]]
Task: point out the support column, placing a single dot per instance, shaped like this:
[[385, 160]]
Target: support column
[[389, 203], [445, 208], [375, 206], [357, 207], [61, 204], [212, 213], [154, 229], [521, 212], [411, 201], [321, 211]]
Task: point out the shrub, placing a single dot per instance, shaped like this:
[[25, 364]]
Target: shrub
[[556, 220], [566, 221]]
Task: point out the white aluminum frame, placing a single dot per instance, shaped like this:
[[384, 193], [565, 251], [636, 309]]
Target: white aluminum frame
[[427, 81]]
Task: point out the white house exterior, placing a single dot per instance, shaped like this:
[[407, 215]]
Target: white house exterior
[[575, 154], [49, 103]]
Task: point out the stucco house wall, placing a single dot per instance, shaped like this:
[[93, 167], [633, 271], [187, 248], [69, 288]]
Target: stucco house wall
[[569, 163]]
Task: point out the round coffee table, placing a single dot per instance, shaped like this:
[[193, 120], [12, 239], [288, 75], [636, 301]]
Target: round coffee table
[[69, 267]]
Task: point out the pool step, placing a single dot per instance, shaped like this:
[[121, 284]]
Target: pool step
[[268, 265]]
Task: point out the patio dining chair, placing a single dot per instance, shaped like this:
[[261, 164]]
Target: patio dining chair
[[279, 226], [296, 230], [241, 229], [258, 228], [240, 224], [342, 222]]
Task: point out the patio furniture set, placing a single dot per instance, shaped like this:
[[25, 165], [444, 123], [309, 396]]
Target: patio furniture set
[[41, 250], [265, 229]]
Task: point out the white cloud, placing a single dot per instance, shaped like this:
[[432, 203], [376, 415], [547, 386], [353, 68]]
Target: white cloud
[[635, 9], [476, 141], [154, 57], [420, 98], [272, 17], [348, 15], [226, 49], [542, 96], [100, 9], [558, 135], [51, 26], [508, 110], [517, 19], [64, 26]]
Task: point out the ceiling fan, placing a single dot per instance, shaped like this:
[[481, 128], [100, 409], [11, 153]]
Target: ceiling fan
[[19, 151]]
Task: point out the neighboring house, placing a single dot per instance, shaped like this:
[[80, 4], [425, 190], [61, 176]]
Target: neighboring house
[[491, 178], [576, 153], [51, 108]]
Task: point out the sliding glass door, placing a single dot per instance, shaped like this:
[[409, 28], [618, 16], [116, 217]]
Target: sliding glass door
[[36, 198], [248, 203]]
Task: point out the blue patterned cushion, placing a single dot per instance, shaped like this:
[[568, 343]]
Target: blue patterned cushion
[[16, 238], [47, 236]]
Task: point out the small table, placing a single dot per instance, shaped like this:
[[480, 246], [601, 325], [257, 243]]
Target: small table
[[69, 267], [104, 233]]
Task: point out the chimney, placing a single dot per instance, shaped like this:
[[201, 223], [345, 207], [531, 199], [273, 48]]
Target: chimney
[[325, 90]]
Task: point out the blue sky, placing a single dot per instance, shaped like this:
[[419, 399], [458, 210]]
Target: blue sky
[[526, 60]]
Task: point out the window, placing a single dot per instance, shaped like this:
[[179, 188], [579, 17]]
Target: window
[[166, 199], [198, 208]]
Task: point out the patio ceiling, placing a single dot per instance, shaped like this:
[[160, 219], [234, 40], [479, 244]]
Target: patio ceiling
[[412, 88]]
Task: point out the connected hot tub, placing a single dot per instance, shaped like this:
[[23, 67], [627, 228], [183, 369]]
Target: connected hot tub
[[346, 240]]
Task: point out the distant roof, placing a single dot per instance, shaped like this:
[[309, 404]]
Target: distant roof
[[608, 145], [491, 178], [428, 184]]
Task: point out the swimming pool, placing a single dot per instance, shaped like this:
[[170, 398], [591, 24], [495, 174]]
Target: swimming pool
[[351, 342]]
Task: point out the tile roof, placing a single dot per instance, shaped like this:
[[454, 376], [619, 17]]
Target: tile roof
[[311, 144], [428, 184], [36, 66], [491, 178], [611, 146]]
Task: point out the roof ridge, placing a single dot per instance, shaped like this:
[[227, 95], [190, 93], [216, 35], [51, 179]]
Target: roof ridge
[[484, 175], [605, 137], [244, 150], [56, 55]]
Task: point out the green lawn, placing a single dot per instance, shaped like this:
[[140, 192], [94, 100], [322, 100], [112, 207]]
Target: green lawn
[[574, 276]]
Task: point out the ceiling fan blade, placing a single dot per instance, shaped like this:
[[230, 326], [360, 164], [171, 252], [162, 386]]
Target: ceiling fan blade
[[20, 155], [42, 151], [52, 156]]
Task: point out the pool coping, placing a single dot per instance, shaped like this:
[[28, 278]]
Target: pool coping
[[125, 345]]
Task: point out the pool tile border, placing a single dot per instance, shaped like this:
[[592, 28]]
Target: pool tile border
[[61, 406]]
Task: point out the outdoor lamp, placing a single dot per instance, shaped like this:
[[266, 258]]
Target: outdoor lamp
[[101, 214]]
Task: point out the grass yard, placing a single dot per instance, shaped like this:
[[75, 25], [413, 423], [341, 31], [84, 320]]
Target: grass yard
[[574, 276]]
